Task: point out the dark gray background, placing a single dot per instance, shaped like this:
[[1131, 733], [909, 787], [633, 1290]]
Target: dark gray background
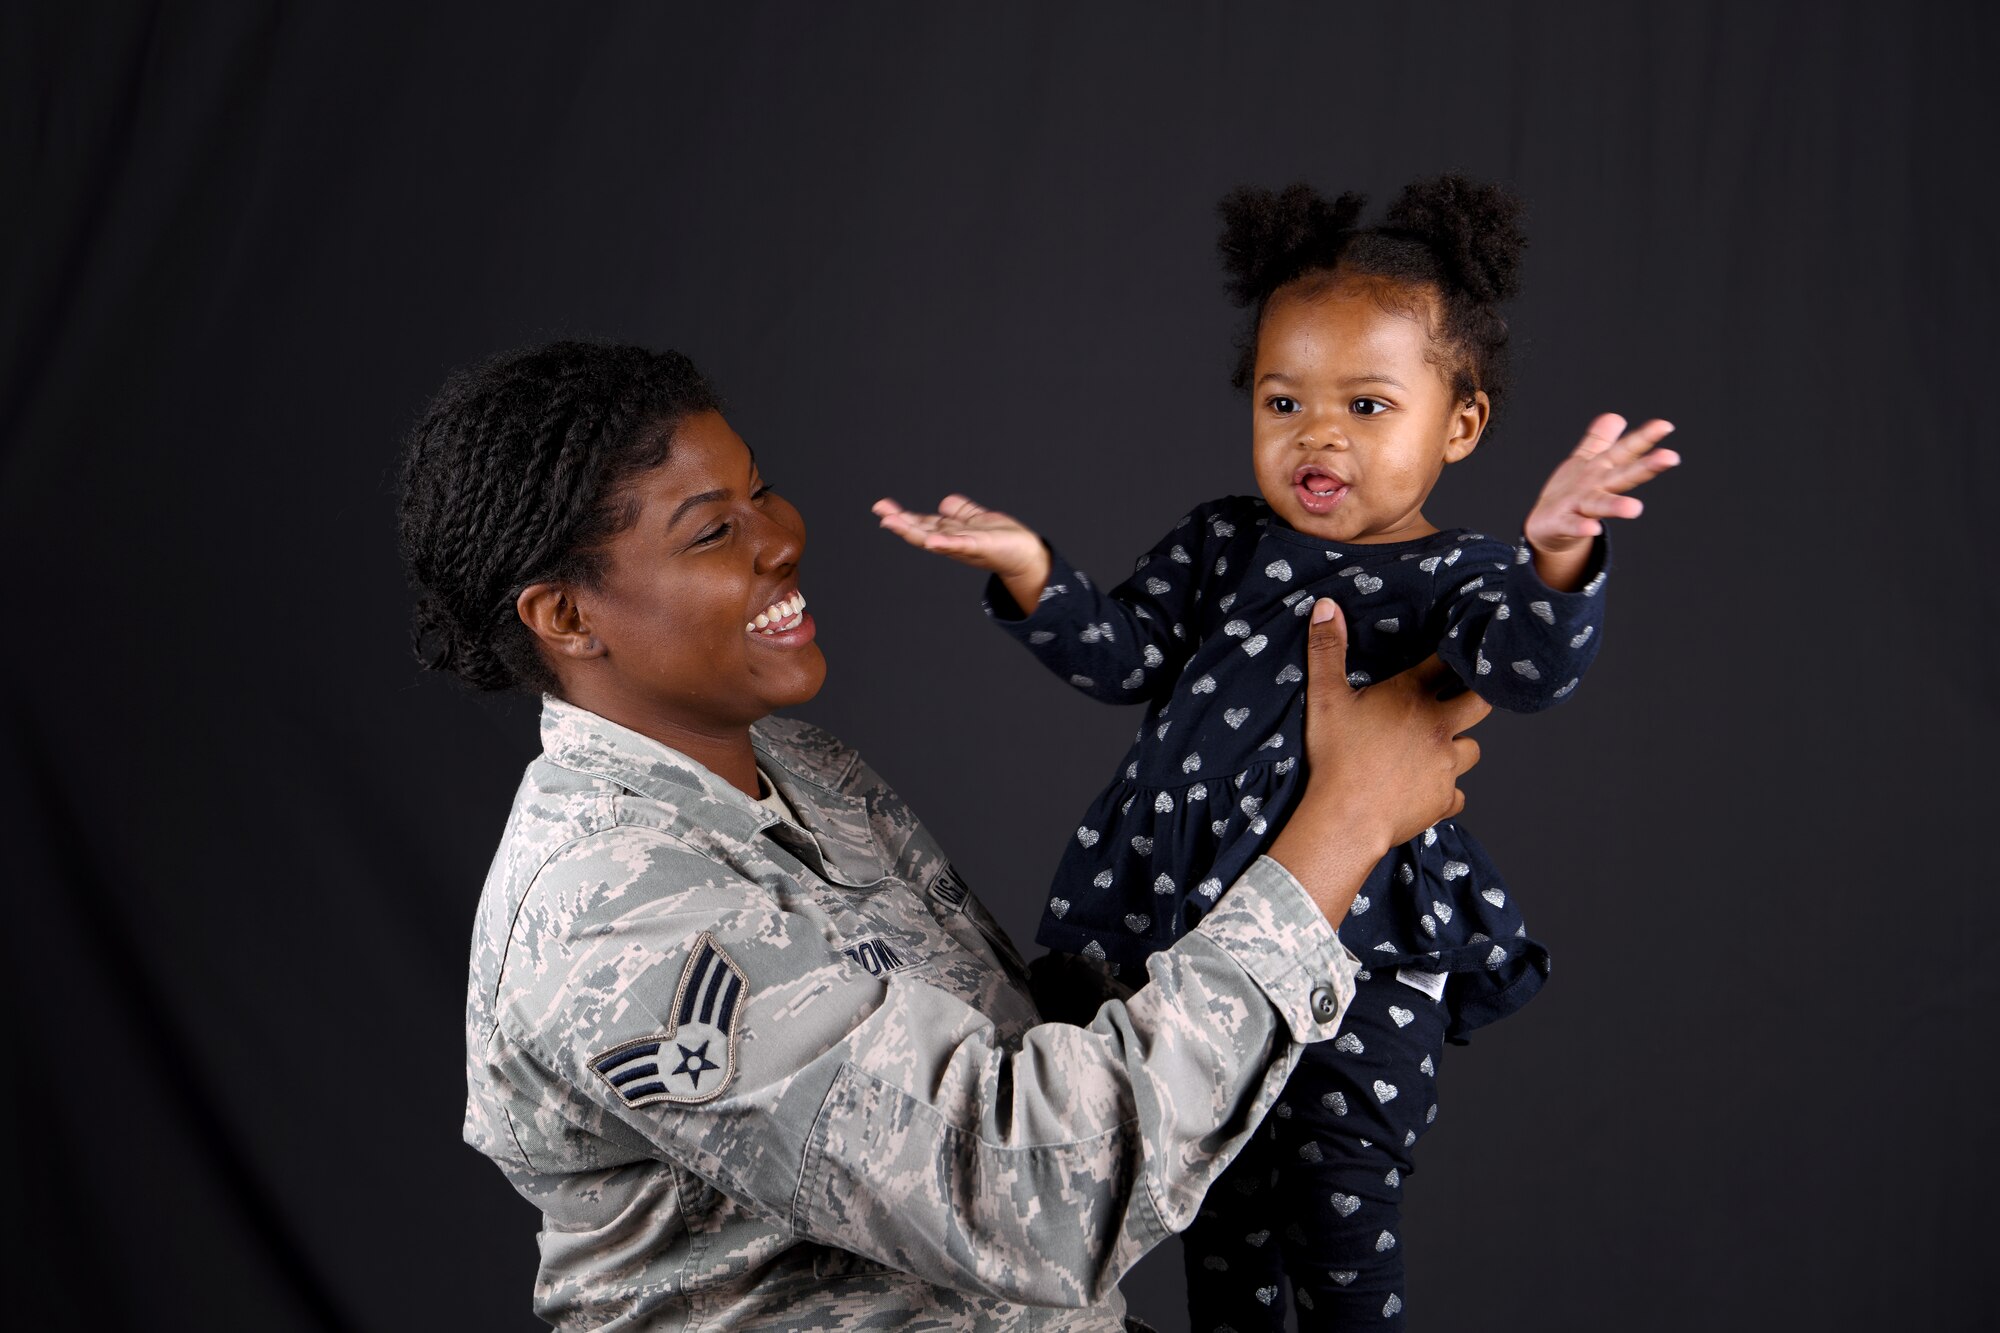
[[933, 247]]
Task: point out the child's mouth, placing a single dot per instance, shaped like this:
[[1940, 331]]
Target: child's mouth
[[1318, 492]]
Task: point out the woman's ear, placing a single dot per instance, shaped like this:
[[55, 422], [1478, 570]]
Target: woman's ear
[[558, 621], [1468, 423]]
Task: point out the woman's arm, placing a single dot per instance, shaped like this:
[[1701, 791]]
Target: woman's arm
[[886, 1115]]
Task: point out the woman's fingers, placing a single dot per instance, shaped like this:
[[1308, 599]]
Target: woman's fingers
[[1326, 647], [1384, 759], [1462, 714], [1433, 676], [1456, 713], [1326, 665]]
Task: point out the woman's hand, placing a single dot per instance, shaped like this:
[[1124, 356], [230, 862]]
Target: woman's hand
[[1591, 485], [973, 535], [1383, 764]]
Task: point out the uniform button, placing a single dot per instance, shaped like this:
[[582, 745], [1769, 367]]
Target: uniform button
[[1325, 1007]]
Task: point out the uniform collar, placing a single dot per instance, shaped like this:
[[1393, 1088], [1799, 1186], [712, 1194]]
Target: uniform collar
[[579, 739], [809, 767]]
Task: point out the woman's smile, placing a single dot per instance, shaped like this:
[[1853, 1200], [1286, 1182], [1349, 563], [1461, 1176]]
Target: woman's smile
[[784, 623]]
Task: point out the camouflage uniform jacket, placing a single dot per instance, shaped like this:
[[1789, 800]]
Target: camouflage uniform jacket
[[764, 1076]]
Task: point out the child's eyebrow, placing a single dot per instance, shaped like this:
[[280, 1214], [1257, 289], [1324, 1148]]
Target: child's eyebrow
[[1366, 377]]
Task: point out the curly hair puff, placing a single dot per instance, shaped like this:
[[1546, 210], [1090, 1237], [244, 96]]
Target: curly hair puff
[[515, 474], [1453, 245]]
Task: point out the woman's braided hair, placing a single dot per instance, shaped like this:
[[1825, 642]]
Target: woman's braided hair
[[516, 474], [1454, 241]]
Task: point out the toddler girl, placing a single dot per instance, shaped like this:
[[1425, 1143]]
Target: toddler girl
[[1375, 357]]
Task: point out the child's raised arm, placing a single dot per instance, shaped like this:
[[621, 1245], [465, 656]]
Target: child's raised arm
[[1591, 485], [974, 535], [1122, 646], [1524, 622]]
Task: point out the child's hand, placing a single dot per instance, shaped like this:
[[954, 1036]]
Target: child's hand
[[983, 538], [1591, 485]]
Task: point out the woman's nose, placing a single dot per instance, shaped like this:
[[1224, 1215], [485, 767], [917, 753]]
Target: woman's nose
[[780, 539]]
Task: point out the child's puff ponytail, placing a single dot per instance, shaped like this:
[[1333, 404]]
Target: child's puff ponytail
[[1270, 237], [1472, 227]]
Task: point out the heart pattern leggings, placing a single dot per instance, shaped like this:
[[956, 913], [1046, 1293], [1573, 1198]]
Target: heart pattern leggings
[[1314, 1199]]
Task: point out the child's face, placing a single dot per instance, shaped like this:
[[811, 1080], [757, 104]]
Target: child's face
[[1351, 423]]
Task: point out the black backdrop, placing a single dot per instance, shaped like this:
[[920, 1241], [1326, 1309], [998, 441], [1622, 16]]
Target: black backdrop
[[926, 247]]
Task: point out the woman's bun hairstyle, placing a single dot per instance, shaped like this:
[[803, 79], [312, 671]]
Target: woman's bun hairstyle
[[1457, 240], [516, 474]]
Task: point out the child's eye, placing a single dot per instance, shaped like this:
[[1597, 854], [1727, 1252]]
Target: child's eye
[[1281, 404], [1368, 407]]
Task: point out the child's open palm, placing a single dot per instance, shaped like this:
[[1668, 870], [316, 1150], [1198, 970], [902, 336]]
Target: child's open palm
[[1591, 485], [967, 532], [975, 535]]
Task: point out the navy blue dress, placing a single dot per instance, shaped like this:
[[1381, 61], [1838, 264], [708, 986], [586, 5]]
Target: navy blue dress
[[1209, 633]]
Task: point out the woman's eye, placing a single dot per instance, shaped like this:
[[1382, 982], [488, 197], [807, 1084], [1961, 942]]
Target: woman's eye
[[766, 489], [1368, 407], [715, 534], [1283, 405]]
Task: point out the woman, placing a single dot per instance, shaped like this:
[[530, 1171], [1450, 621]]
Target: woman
[[734, 1025]]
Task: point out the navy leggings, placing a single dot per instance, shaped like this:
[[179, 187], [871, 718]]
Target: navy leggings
[[1314, 1199]]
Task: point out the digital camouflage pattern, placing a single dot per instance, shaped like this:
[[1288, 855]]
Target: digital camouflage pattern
[[896, 1140]]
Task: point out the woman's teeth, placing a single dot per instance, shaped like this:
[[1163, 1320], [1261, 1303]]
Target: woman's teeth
[[780, 616]]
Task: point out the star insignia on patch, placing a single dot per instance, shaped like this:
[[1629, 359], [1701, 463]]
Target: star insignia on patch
[[695, 1061]]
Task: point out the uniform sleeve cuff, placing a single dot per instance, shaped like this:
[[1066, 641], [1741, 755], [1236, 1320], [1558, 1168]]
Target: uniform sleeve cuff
[[998, 603], [1273, 929]]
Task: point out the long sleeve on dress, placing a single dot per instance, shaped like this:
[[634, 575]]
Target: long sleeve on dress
[[1127, 645], [1519, 643]]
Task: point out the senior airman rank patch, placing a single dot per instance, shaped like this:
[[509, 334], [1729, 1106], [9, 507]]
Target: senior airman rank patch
[[695, 1062]]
